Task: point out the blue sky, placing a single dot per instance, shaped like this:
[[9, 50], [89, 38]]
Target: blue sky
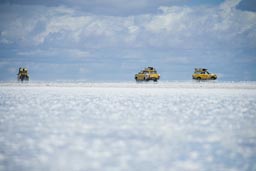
[[111, 40]]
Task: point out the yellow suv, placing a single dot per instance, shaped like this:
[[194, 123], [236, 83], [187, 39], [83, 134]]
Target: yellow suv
[[203, 74], [147, 74]]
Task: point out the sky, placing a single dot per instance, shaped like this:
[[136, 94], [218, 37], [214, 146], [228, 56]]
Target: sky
[[111, 40]]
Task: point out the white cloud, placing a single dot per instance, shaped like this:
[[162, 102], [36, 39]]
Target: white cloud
[[5, 41], [173, 19], [73, 53], [68, 25], [188, 166], [229, 4], [103, 7], [199, 27], [174, 35], [173, 26]]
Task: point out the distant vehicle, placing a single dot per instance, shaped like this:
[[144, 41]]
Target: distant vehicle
[[147, 74], [203, 74], [23, 74]]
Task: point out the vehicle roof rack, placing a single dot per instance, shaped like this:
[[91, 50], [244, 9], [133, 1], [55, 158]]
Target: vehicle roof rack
[[200, 69]]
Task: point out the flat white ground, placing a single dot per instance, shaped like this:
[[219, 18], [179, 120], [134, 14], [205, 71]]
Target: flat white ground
[[128, 127]]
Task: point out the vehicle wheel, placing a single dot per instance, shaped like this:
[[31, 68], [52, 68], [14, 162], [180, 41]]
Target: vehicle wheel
[[198, 78], [213, 78], [155, 80]]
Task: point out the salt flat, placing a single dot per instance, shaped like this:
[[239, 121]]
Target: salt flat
[[174, 126]]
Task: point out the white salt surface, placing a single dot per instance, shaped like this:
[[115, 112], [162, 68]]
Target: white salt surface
[[128, 127]]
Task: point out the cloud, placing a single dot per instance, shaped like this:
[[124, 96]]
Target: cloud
[[72, 53], [204, 27], [229, 4], [174, 35], [102, 7], [5, 41], [172, 26]]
